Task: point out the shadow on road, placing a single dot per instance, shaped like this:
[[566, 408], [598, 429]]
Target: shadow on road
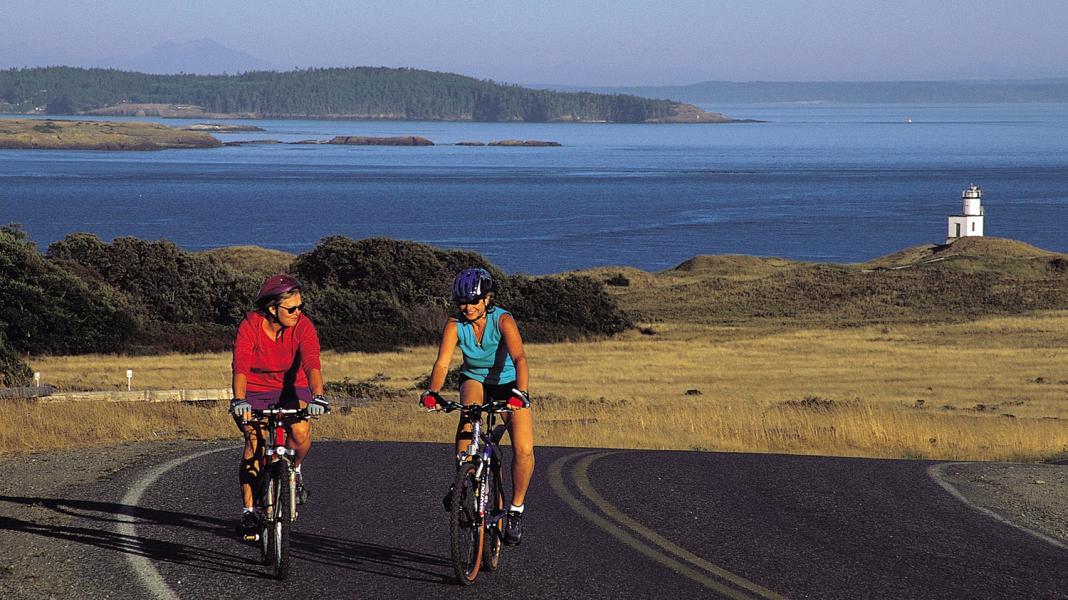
[[371, 558], [94, 524]]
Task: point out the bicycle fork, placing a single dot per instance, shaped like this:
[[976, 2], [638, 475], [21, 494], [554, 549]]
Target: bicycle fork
[[275, 453]]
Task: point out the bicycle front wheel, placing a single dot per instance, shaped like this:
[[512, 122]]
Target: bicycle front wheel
[[465, 525], [279, 526], [491, 547]]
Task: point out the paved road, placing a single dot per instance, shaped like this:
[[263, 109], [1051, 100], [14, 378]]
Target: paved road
[[602, 524]]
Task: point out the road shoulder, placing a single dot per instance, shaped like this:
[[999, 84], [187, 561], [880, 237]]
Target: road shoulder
[[48, 529], [1030, 496]]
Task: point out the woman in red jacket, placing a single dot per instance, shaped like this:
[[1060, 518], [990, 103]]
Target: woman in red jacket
[[276, 363]]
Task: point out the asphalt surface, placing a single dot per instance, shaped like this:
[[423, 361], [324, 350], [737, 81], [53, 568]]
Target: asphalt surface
[[600, 524]]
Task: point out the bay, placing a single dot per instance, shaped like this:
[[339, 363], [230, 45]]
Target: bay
[[829, 183]]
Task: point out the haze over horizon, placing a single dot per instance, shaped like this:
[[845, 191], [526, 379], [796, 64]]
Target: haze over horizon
[[555, 42]]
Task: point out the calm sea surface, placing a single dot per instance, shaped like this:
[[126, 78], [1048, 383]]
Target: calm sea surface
[[820, 183]]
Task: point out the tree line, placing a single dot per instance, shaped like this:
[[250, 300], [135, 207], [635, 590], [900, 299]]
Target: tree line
[[84, 295], [358, 92]]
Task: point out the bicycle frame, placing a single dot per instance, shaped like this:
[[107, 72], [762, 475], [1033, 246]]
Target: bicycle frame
[[276, 457], [483, 448], [276, 489]]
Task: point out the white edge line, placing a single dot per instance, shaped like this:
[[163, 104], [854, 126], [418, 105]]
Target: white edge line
[[935, 472], [141, 564]]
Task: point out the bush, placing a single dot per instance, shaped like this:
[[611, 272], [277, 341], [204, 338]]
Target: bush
[[368, 295], [167, 283], [13, 372], [52, 310], [378, 294], [551, 309], [409, 272]]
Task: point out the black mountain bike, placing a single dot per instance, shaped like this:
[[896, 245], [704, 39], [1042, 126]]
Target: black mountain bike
[[476, 502], [276, 491]]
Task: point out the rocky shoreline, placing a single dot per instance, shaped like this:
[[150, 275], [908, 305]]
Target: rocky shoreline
[[49, 134], [57, 134]]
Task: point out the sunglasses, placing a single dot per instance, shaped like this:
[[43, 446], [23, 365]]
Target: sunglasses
[[292, 309], [467, 302]]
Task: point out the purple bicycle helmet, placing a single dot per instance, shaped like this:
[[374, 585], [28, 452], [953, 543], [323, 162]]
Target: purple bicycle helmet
[[274, 286], [470, 285]]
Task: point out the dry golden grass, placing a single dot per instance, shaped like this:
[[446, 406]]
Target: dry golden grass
[[993, 389]]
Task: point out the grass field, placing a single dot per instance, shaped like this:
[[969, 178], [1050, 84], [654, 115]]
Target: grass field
[[990, 389]]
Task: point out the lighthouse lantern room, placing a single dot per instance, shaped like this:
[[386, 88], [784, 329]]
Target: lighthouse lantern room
[[970, 222]]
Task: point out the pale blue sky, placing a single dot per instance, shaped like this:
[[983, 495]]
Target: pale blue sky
[[574, 41]]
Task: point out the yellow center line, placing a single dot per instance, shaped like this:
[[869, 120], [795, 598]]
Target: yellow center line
[[556, 481], [582, 482]]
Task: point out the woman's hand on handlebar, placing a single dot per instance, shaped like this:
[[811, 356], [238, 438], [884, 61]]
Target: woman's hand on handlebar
[[518, 400], [431, 400], [318, 406], [239, 407]]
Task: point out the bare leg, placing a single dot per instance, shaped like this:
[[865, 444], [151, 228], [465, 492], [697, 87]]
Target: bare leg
[[250, 462], [299, 440], [521, 430], [471, 392]]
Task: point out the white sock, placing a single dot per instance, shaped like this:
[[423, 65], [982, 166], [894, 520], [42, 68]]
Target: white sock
[[245, 510], [516, 509], [298, 469]]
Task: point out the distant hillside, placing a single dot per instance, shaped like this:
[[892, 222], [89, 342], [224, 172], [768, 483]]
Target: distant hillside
[[970, 278], [353, 93], [847, 92]]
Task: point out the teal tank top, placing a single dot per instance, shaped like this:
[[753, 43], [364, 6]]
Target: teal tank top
[[489, 362]]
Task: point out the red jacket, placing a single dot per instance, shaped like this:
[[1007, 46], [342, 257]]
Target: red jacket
[[273, 365]]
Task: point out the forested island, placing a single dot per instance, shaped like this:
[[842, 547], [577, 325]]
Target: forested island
[[336, 93], [847, 92]]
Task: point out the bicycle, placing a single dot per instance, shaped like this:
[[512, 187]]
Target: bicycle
[[476, 498], [276, 493]]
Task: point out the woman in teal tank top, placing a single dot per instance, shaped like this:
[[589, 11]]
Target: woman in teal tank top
[[494, 367]]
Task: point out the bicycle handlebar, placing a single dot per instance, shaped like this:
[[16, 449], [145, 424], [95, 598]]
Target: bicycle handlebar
[[492, 407], [301, 413]]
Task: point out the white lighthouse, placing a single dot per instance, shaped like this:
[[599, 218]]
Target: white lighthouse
[[970, 222]]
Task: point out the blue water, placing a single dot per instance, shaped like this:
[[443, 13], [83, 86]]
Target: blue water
[[820, 183]]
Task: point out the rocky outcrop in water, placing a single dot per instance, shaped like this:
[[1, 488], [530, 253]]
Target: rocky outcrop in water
[[529, 143], [359, 140]]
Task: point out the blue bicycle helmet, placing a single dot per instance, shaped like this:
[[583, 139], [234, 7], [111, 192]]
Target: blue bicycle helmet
[[470, 285]]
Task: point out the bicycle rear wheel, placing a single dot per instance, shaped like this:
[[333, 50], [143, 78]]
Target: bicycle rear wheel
[[465, 526], [279, 526], [491, 548]]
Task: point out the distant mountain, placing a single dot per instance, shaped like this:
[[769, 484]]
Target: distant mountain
[[203, 57], [846, 92]]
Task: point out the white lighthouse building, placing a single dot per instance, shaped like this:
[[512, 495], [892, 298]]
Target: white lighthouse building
[[970, 222]]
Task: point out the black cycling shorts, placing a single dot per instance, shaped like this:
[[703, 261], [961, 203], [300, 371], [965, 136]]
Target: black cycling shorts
[[498, 392]]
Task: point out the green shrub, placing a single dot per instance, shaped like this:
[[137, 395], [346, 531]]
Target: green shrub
[[166, 282], [551, 309], [13, 371], [53, 311], [378, 294]]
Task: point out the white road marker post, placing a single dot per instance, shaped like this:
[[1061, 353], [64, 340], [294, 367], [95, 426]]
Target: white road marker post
[[37, 379], [129, 380]]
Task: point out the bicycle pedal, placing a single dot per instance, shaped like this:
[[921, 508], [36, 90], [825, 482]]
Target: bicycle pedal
[[252, 537]]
